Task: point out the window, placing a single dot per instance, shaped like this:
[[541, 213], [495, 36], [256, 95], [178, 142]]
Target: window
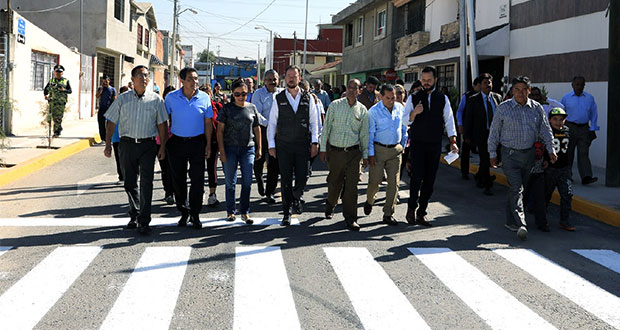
[[360, 30], [41, 65], [380, 24], [348, 35], [309, 59], [132, 17], [415, 12], [445, 75], [119, 10], [147, 35], [411, 77], [139, 34]]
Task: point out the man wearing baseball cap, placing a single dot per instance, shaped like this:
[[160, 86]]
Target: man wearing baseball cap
[[55, 93]]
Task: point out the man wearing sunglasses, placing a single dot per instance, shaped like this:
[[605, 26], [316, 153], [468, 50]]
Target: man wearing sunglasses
[[293, 138], [263, 100]]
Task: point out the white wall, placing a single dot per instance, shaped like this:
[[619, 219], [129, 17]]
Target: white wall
[[598, 150], [27, 102]]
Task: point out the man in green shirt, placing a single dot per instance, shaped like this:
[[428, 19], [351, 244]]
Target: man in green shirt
[[344, 141], [55, 93]]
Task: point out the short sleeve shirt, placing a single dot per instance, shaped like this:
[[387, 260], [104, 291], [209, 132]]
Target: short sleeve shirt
[[188, 116], [137, 116], [239, 124]]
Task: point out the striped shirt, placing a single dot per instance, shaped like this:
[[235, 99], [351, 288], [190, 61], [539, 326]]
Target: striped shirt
[[137, 117], [345, 126], [519, 126]]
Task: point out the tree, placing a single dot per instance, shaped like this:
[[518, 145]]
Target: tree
[[203, 56]]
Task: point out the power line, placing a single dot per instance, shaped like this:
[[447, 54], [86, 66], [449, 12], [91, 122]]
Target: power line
[[49, 9], [250, 21]]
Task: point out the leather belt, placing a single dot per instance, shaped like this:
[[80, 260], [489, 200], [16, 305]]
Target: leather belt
[[134, 140], [578, 125], [386, 145], [188, 138], [346, 149]]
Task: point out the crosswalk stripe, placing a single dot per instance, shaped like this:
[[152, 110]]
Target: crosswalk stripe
[[114, 222], [482, 295], [4, 249], [26, 302], [376, 299], [606, 258], [582, 292], [263, 297], [150, 295]]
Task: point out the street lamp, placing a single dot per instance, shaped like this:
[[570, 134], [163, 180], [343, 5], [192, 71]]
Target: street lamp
[[270, 50], [175, 29]]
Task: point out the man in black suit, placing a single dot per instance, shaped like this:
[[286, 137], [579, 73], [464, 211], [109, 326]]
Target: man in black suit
[[478, 117]]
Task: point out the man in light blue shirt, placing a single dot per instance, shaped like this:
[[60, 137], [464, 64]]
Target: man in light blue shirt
[[263, 100], [582, 124], [190, 113], [321, 94], [387, 136]]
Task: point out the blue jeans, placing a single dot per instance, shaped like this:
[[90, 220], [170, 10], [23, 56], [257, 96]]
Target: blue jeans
[[244, 156]]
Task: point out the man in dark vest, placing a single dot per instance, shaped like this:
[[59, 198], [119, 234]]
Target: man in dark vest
[[369, 95], [55, 93], [293, 138], [429, 112], [476, 123]]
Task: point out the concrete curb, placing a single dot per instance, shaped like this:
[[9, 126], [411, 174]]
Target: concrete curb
[[35, 164], [581, 205]]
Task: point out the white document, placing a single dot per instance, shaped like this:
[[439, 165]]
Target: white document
[[451, 157]]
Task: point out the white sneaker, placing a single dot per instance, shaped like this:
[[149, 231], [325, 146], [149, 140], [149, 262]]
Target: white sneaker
[[522, 233], [212, 200]]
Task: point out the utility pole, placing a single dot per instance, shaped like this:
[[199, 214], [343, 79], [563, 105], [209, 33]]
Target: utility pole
[[463, 37], [294, 47], [473, 54], [258, 67], [209, 58], [612, 171], [303, 75], [175, 15]]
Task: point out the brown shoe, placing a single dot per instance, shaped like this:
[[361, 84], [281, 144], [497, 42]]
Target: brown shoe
[[410, 217], [421, 220]]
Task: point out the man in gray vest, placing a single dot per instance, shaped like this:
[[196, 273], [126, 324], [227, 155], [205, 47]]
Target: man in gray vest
[[293, 138]]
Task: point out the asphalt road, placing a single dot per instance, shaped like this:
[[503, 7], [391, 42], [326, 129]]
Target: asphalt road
[[67, 263]]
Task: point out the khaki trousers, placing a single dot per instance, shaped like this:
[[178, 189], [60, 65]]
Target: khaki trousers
[[388, 160], [344, 169]]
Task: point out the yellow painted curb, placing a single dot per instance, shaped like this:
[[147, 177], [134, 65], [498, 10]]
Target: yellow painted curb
[[600, 212], [35, 164]]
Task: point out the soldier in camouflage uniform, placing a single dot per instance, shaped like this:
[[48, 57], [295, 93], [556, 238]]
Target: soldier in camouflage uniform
[[55, 93]]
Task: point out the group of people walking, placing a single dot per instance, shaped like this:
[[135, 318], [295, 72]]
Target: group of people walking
[[369, 126]]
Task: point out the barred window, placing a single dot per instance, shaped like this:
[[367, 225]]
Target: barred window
[[139, 34], [445, 75], [41, 65], [147, 35]]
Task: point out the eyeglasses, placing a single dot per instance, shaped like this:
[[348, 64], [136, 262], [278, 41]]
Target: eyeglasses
[[143, 75], [273, 79], [240, 94]]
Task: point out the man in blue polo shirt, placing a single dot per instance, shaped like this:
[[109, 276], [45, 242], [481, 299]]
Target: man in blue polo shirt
[[190, 113]]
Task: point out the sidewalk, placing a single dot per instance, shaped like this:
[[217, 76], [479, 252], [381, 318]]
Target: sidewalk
[[594, 200], [24, 154]]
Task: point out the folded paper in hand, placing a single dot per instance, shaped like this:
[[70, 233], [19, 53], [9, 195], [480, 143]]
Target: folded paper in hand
[[451, 157]]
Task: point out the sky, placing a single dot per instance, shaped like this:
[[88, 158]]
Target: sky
[[231, 28]]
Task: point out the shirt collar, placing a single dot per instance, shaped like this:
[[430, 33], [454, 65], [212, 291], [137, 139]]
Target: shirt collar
[[528, 103]]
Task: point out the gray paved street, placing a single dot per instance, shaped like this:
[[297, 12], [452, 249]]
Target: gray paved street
[[67, 263]]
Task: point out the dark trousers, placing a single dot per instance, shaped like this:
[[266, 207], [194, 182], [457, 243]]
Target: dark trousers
[[101, 121], [273, 168], [535, 194], [560, 178], [344, 172], [180, 153], [138, 159], [424, 158], [516, 165], [117, 159], [581, 140], [212, 165], [484, 170], [292, 160], [403, 162], [166, 179], [465, 154]]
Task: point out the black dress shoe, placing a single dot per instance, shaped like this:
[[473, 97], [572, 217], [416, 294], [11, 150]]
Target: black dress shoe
[[390, 221], [353, 226], [544, 228], [132, 224], [588, 180], [367, 208], [286, 220], [260, 187], [488, 192], [269, 199], [144, 229], [183, 221], [196, 224], [329, 215], [329, 210], [298, 206], [410, 217], [421, 220]]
